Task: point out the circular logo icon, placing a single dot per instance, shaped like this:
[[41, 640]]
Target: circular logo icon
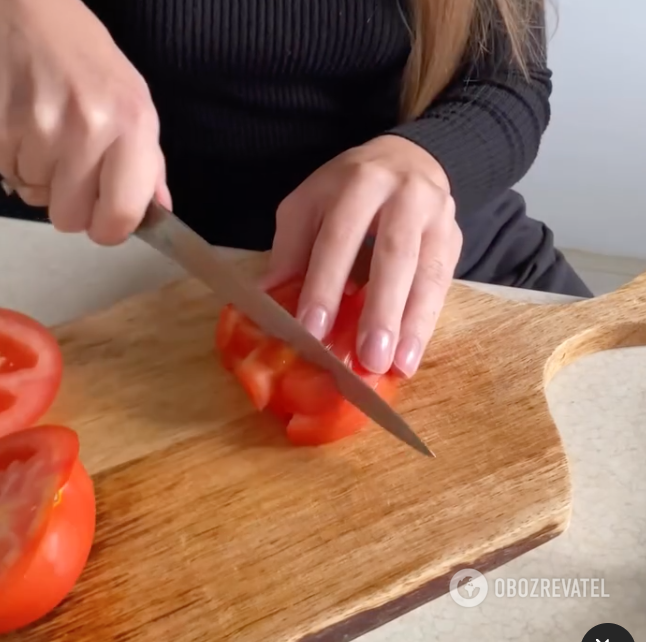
[[469, 588], [608, 633]]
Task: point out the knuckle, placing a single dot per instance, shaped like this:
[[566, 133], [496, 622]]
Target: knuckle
[[46, 120], [398, 244], [91, 115], [115, 107], [337, 234], [417, 185], [435, 272], [135, 111], [369, 171]]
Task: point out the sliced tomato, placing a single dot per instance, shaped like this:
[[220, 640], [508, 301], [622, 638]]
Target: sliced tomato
[[300, 394], [236, 336], [308, 390], [340, 421], [31, 368], [34, 464], [42, 485], [261, 371]]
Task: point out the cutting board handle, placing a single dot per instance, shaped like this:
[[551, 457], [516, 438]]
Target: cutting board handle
[[613, 320]]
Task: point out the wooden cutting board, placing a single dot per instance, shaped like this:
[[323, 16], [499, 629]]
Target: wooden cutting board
[[212, 528]]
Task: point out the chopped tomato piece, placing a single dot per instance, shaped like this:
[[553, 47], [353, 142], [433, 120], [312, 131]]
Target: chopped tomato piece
[[341, 421], [31, 368], [47, 522], [260, 372], [308, 390], [300, 394]]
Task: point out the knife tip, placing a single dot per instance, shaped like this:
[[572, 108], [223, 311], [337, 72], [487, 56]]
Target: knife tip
[[410, 438], [422, 448]]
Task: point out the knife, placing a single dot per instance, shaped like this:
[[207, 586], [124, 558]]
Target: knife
[[164, 232]]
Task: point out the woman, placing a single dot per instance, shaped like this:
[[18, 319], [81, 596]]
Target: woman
[[302, 125]]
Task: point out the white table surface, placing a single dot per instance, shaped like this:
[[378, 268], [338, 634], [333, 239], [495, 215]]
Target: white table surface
[[599, 404]]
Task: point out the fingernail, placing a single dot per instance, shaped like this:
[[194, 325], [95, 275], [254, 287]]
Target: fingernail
[[316, 319], [376, 351], [408, 356]]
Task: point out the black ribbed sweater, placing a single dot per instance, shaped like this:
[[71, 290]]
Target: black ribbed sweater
[[254, 95]]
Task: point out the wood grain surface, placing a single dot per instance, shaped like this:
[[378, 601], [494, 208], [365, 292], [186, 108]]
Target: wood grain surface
[[212, 528]]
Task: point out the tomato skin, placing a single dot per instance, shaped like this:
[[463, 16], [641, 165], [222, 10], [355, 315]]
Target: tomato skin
[[61, 557], [306, 390], [301, 395], [339, 422], [31, 370]]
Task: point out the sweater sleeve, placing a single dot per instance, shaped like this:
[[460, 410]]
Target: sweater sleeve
[[486, 127]]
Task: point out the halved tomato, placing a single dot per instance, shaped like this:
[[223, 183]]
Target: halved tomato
[[47, 522], [300, 394], [31, 368]]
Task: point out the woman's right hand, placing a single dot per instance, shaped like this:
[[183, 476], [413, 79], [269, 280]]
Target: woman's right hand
[[78, 130]]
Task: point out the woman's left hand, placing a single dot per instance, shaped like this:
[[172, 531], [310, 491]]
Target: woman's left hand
[[394, 189]]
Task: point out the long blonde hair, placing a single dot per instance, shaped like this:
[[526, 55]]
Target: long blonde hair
[[445, 31]]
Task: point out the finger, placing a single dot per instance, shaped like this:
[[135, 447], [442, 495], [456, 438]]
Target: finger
[[9, 145], [296, 228], [162, 193], [439, 255], [39, 146], [127, 184], [75, 181], [14, 109], [392, 269], [343, 229], [34, 196]]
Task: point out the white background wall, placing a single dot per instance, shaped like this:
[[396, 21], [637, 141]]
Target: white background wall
[[589, 181]]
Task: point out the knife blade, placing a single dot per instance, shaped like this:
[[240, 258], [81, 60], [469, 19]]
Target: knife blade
[[167, 234]]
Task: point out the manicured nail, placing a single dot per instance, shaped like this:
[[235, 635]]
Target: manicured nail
[[316, 320], [376, 351], [408, 356]]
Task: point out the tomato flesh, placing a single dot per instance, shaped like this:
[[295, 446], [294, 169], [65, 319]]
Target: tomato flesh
[[342, 420], [61, 556], [47, 522], [303, 396], [34, 464], [31, 367]]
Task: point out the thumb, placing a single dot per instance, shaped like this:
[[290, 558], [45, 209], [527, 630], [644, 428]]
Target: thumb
[[296, 229]]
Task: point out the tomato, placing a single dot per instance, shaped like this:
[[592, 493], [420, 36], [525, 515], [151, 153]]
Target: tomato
[[303, 396], [341, 420], [48, 515], [261, 370], [31, 367]]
